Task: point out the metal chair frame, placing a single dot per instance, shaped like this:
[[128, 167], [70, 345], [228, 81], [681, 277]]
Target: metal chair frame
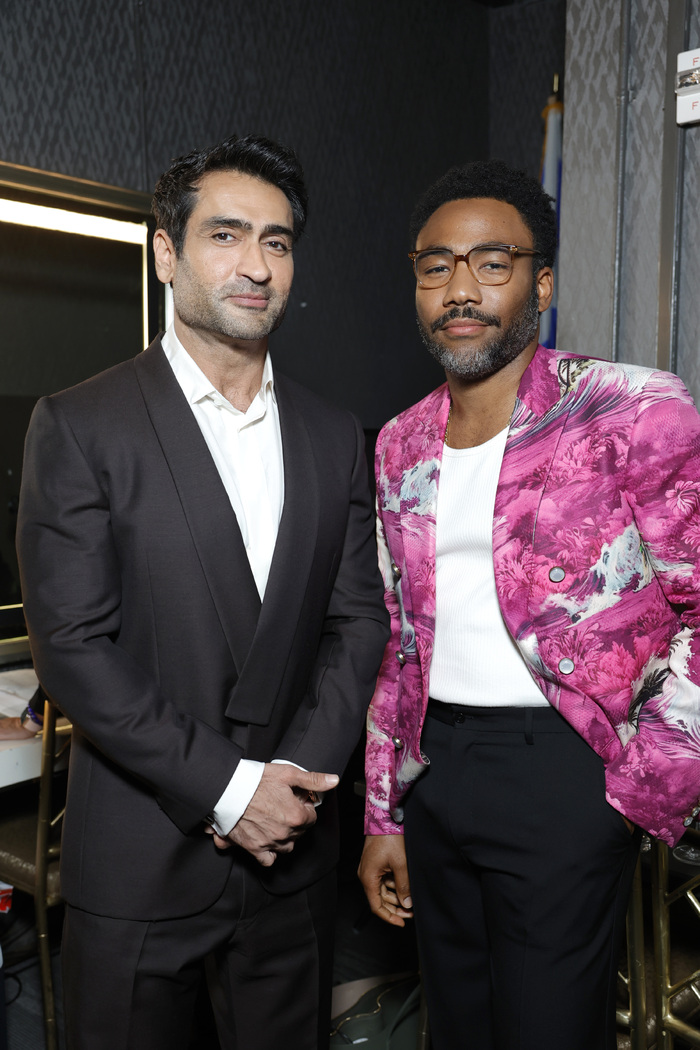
[[668, 1024], [55, 742]]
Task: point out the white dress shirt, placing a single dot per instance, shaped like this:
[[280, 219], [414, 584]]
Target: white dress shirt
[[247, 450]]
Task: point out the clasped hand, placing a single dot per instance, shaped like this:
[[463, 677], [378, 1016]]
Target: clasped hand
[[281, 810]]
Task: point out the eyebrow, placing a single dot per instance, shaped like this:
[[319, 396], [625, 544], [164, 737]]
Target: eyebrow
[[276, 228], [479, 244], [242, 224]]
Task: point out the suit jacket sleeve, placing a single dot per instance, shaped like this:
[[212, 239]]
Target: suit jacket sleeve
[[327, 725], [72, 591]]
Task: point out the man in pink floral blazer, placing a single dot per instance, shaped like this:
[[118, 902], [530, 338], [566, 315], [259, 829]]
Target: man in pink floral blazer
[[538, 705]]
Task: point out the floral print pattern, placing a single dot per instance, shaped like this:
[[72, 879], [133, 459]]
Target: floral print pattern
[[601, 479]]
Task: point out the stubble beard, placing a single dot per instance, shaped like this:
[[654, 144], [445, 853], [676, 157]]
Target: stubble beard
[[503, 347], [205, 309]]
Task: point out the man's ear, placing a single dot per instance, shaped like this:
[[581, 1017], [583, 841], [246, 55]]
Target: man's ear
[[165, 256], [545, 287]]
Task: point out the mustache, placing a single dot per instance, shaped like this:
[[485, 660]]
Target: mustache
[[243, 286], [468, 313]]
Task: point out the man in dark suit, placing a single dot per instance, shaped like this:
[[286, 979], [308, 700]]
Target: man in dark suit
[[200, 584]]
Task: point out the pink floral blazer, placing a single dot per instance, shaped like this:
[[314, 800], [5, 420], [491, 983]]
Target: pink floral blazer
[[596, 541]]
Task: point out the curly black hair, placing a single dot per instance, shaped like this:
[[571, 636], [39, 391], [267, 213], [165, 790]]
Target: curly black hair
[[176, 189], [497, 181]]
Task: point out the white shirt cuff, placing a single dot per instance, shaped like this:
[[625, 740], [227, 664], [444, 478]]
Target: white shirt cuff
[[239, 791]]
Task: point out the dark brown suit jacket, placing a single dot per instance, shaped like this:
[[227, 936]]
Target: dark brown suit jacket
[[147, 629]]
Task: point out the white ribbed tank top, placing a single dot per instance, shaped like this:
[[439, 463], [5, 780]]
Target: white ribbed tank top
[[475, 660]]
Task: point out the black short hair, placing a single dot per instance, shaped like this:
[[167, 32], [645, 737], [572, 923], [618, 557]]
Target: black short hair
[[495, 180], [176, 189]]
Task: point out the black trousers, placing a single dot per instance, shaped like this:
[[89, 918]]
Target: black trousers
[[131, 985], [520, 873]]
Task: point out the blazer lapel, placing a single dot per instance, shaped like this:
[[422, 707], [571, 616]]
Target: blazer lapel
[[207, 508], [255, 693], [536, 427], [422, 453]]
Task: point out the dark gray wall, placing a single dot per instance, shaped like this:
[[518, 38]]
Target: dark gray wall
[[526, 48], [378, 99], [112, 91]]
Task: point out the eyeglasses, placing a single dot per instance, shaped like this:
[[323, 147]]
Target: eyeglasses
[[489, 263]]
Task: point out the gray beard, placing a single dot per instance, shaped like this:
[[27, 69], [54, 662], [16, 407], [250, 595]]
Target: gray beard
[[502, 348], [198, 307]]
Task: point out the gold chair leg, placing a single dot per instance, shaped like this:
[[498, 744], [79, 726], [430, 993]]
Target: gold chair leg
[[662, 942], [42, 862], [636, 967], [50, 1024]]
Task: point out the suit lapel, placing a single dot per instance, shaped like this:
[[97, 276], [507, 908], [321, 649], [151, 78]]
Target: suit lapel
[[256, 691], [536, 427], [422, 447], [205, 503]]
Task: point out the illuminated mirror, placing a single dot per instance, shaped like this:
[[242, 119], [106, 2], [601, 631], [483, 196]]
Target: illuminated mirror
[[77, 294]]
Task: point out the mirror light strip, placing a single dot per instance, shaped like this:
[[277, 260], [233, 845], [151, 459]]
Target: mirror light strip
[[22, 214]]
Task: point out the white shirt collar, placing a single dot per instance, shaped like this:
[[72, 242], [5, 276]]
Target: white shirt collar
[[195, 385]]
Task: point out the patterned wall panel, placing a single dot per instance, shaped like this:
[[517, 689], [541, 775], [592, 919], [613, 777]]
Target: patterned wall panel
[[68, 88], [588, 180], [526, 50], [377, 99], [689, 300], [642, 194], [589, 195]]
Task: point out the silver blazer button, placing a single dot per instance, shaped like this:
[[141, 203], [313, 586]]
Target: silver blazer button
[[401, 658], [397, 742], [395, 571], [566, 666], [556, 574]]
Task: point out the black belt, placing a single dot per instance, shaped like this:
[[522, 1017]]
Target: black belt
[[455, 714], [500, 718]]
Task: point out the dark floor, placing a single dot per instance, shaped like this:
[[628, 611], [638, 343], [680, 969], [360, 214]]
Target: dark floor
[[365, 947], [24, 1011]]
